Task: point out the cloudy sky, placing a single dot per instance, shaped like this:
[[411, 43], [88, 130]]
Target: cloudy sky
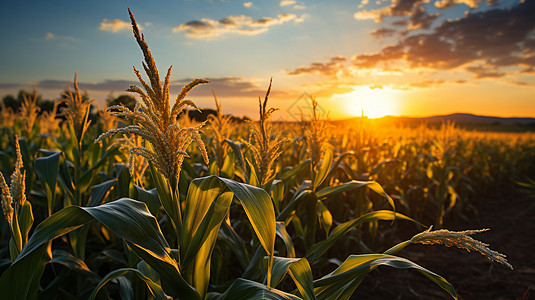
[[398, 57]]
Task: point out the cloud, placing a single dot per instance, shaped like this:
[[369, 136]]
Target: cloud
[[116, 25], [208, 29], [445, 4], [287, 2], [420, 19], [223, 86], [247, 4], [330, 68], [396, 8], [426, 84], [383, 32], [363, 3], [484, 72], [498, 37], [107, 85], [63, 40]]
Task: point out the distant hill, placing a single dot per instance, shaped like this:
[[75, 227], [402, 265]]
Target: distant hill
[[461, 118]]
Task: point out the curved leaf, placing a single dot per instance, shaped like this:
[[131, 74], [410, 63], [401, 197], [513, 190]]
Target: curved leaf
[[286, 238], [259, 209], [154, 288], [355, 267], [246, 289], [47, 169], [126, 218], [351, 185], [319, 248], [323, 169], [299, 271]]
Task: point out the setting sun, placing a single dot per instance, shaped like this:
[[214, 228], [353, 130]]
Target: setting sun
[[374, 102]]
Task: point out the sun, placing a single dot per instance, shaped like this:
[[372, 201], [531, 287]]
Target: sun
[[373, 102]]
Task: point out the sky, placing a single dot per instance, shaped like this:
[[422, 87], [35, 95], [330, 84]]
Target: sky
[[377, 57]]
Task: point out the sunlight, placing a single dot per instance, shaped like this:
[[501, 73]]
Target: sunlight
[[375, 102]]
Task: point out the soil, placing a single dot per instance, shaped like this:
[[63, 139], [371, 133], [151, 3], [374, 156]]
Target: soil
[[511, 219]]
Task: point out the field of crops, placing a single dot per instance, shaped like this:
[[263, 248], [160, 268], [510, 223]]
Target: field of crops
[[146, 203]]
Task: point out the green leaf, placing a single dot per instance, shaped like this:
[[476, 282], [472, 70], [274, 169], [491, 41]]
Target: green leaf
[[100, 191], [319, 248], [289, 208], [246, 289], [277, 193], [295, 170], [286, 238], [154, 288], [207, 203], [351, 185], [167, 197], [236, 243], [206, 207], [323, 168], [324, 216], [300, 272], [236, 148], [70, 261], [150, 198], [47, 169], [25, 220], [259, 209], [228, 165], [126, 218], [253, 178], [66, 181], [204, 210], [357, 266]]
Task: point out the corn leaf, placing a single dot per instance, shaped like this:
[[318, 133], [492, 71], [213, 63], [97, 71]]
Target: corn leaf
[[127, 218], [246, 289], [319, 248], [351, 185], [300, 272], [323, 169], [100, 191], [154, 288], [286, 238], [357, 266], [47, 169]]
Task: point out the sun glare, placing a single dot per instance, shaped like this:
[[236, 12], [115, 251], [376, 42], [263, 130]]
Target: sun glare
[[374, 102]]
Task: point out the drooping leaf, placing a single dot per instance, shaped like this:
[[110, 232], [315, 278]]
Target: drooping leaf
[[300, 272], [154, 288], [351, 185], [246, 289], [357, 266], [323, 168], [100, 191], [47, 169], [319, 248], [126, 218]]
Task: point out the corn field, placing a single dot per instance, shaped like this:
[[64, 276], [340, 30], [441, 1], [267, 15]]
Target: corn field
[[149, 204]]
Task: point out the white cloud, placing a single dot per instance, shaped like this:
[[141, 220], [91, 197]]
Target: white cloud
[[248, 4], [287, 2], [208, 29], [116, 25]]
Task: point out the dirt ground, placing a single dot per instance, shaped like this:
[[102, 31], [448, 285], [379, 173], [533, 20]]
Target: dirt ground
[[511, 219]]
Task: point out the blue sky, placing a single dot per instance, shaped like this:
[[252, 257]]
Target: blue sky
[[409, 57]]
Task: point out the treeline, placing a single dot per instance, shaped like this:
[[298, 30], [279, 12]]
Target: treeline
[[14, 104]]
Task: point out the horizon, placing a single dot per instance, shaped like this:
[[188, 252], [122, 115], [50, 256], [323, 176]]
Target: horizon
[[400, 58]]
